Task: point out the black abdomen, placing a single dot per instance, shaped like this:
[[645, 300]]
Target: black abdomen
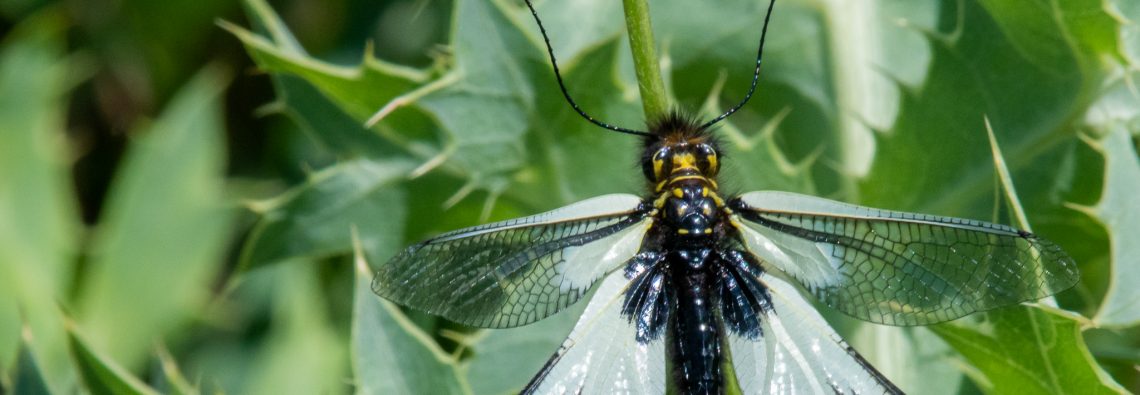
[[693, 340]]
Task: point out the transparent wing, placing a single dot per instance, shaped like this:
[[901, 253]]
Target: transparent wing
[[518, 271], [602, 354], [899, 268], [798, 353]]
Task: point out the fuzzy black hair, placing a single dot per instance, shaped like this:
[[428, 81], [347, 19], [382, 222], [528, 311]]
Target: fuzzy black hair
[[674, 128], [674, 122]]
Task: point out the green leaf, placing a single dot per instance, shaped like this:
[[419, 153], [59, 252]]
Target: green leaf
[[1120, 215], [480, 104], [39, 229], [933, 159], [1130, 33], [485, 111], [157, 45], [828, 70], [315, 219], [160, 242], [307, 88], [1044, 354], [504, 360], [175, 382], [302, 353], [978, 71], [390, 355], [1006, 181], [1045, 31], [1116, 117], [562, 169], [328, 125], [28, 379], [758, 150], [572, 35], [100, 374], [915, 359], [360, 90], [1021, 350]]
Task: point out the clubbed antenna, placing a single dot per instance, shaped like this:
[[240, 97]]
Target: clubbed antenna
[[755, 76]]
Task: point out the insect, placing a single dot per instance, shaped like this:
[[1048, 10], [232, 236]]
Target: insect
[[699, 291]]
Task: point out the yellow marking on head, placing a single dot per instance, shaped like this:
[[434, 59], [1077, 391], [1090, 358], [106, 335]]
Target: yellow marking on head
[[712, 163], [658, 166], [690, 177], [704, 191], [684, 161], [678, 192], [683, 231]]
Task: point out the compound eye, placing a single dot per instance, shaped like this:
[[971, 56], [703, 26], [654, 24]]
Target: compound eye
[[707, 161], [662, 163]]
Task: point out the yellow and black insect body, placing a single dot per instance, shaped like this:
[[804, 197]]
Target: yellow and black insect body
[[681, 161], [681, 256], [695, 290]]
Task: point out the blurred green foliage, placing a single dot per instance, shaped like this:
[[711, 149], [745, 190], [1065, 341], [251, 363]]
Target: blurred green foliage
[[183, 184]]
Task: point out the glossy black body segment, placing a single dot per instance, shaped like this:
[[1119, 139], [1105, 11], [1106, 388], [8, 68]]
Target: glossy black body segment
[[649, 299], [692, 295], [742, 299], [694, 339]]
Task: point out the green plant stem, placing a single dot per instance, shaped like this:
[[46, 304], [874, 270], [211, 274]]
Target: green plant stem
[[645, 58]]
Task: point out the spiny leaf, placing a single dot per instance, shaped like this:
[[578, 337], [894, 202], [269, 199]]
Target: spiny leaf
[[28, 379], [314, 220], [1024, 348], [1120, 214], [1045, 31], [359, 90], [101, 375], [1116, 117], [485, 111], [390, 355], [480, 104], [328, 102], [160, 242], [564, 144], [301, 353], [931, 162], [915, 359], [39, 221], [1030, 350], [175, 382], [935, 158]]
